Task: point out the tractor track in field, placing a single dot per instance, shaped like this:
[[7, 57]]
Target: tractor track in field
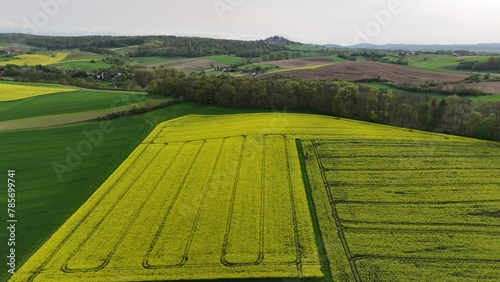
[[65, 267], [136, 214], [145, 262]]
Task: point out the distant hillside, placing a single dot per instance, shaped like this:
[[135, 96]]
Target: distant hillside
[[169, 46], [483, 47]]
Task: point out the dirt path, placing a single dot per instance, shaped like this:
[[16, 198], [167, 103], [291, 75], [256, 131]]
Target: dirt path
[[66, 119]]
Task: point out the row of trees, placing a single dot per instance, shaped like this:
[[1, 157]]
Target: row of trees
[[492, 63], [116, 77], [439, 88], [343, 99], [282, 55]]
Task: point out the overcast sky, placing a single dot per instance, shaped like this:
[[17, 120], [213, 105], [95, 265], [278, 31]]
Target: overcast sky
[[342, 22]]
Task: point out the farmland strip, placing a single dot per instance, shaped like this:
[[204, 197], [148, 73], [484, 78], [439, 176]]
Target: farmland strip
[[245, 241]]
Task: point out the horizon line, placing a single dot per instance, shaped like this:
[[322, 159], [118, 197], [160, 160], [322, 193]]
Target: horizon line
[[228, 38]]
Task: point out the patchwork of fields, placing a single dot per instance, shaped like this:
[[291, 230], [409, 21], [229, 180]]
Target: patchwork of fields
[[85, 61], [230, 207], [78, 100], [215, 197]]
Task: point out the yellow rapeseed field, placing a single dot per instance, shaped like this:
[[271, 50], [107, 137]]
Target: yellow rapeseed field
[[35, 59], [10, 91], [240, 196], [206, 207]]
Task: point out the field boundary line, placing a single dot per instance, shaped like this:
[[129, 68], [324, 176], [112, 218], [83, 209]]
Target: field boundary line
[[344, 184], [409, 230], [324, 260], [336, 217], [395, 203], [367, 257], [298, 252], [410, 169]]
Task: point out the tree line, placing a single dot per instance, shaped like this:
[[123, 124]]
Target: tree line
[[282, 55], [492, 63], [452, 115], [169, 46]]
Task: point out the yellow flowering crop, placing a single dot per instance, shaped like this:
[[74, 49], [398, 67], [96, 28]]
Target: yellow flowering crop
[[35, 59], [223, 197], [10, 91]]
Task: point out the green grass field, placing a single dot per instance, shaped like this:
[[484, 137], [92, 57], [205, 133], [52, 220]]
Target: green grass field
[[223, 59], [441, 63], [83, 62], [407, 206], [68, 102]]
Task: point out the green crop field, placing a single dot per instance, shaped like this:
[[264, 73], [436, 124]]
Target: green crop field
[[224, 59], [69, 102], [406, 206], [83, 62], [440, 63]]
